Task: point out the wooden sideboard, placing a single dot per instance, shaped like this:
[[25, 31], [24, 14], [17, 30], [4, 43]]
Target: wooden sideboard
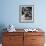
[[23, 39]]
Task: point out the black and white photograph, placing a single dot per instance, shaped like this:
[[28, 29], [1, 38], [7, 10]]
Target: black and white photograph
[[26, 13]]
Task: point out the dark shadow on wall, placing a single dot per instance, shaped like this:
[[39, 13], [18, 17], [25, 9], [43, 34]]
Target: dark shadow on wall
[[2, 27]]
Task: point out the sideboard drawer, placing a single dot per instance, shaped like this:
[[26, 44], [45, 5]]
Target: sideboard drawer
[[13, 33], [33, 33]]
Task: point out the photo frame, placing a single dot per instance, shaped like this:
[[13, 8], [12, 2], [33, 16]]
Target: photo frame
[[26, 13]]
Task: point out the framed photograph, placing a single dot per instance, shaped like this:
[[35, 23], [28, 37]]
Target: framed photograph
[[26, 13]]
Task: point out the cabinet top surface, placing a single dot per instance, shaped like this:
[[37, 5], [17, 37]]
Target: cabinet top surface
[[22, 30]]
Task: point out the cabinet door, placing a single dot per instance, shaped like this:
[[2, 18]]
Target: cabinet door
[[13, 40], [27, 40], [5, 41], [18, 41], [37, 40]]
